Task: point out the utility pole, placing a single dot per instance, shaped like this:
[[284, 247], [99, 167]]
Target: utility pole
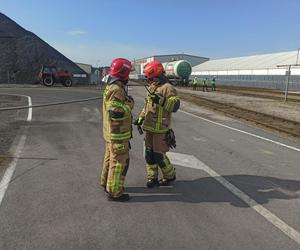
[[288, 74], [98, 72]]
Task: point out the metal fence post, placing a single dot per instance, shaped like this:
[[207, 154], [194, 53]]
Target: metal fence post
[[288, 74]]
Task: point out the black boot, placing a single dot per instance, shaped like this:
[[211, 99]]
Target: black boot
[[151, 183], [166, 182], [123, 197], [104, 189]]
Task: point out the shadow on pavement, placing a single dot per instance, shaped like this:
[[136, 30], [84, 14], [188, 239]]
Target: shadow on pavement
[[41, 163], [260, 188]]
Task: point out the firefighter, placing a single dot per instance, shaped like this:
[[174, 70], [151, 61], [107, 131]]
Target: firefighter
[[155, 118], [194, 83], [117, 131]]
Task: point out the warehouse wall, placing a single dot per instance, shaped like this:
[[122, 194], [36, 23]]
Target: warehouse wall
[[266, 72], [255, 81], [85, 67], [262, 71]]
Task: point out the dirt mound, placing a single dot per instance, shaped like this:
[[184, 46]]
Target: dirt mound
[[22, 53]]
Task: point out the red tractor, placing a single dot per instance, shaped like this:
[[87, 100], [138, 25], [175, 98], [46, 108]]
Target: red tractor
[[50, 75]]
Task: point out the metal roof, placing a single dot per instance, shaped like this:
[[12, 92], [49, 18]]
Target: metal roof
[[181, 54], [265, 61]]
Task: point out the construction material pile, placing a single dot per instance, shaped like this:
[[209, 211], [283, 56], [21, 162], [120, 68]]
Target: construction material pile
[[22, 54]]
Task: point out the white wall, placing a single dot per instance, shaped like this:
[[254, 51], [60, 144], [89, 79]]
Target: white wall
[[274, 71]]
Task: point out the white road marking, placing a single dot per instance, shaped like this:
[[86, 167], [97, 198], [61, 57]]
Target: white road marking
[[29, 116], [86, 109], [199, 139], [96, 116], [190, 161], [267, 152], [242, 131], [267, 190], [97, 111], [12, 166]]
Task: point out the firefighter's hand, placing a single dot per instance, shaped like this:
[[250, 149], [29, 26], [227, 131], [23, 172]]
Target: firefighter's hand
[[158, 99], [139, 121]]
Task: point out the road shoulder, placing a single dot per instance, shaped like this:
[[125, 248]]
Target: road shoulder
[[10, 127]]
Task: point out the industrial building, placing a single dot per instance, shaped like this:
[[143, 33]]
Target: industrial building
[[266, 70], [93, 74], [193, 60]]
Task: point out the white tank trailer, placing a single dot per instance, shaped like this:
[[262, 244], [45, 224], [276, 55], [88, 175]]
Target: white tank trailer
[[178, 72]]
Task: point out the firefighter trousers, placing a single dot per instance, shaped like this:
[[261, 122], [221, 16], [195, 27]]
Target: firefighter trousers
[[115, 167], [155, 155]]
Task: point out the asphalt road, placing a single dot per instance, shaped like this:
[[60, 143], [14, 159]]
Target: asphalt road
[[54, 201]]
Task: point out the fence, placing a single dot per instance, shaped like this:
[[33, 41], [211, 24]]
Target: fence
[[255, 81]]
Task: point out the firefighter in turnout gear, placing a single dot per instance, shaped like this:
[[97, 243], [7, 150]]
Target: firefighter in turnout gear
[[117, 130], [155, 118]]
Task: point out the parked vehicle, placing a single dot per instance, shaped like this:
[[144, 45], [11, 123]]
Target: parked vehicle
[[49, 75]]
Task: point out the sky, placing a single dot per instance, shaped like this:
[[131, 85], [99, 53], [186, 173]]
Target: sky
[[96, 31]]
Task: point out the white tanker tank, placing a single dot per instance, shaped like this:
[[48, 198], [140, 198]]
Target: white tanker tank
[[178, 71]]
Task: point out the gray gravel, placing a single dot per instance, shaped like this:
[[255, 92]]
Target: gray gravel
[[277, 108]]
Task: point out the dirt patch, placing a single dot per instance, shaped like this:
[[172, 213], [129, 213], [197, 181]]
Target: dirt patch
[[10, 124], [289, 111], [249, 110]]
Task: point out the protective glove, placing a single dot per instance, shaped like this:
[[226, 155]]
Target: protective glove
[[139, 121], [158, 99]]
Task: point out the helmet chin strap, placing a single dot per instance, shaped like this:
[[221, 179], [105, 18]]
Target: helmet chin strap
[[110, 80], [124, 81], [161, 79]]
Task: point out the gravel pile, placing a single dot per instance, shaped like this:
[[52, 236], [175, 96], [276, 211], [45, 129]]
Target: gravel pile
[[22, 53]]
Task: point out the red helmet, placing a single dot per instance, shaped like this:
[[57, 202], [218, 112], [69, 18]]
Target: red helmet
[[153, 69], [120, 68]]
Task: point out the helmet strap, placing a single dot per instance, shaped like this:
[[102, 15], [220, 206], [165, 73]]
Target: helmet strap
[[160, 79], [124, 82]]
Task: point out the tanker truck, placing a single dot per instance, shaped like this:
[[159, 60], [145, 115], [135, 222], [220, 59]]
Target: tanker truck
[[178, 72]]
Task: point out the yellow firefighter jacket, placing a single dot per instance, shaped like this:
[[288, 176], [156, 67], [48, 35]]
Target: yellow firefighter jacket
[[117, 118], [158, 117]]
